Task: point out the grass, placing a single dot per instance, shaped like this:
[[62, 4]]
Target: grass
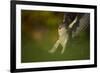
[[32, 51]]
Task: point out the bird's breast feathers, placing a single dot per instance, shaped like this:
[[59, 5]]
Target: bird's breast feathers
[[63, 34]]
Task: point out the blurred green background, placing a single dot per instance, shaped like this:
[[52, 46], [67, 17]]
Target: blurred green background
[[39, 33]]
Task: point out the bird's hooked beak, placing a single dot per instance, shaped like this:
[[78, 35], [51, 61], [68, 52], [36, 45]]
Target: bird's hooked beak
[[61, 26]]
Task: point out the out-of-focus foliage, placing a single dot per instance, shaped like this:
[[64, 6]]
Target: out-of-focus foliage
[[39, 33]]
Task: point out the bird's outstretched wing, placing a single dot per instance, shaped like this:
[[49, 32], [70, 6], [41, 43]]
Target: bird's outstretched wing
[[81, 24], [76, 22]]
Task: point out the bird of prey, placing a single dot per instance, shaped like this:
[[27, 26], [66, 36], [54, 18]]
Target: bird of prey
[[71, 26]]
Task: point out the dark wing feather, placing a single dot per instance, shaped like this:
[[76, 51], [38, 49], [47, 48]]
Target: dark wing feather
[[68, 18], [81, 25]]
